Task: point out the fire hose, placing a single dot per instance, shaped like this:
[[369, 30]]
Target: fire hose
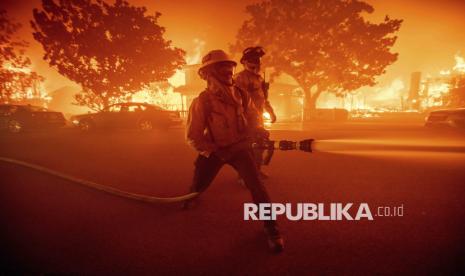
[[282, 145], [100, 187]]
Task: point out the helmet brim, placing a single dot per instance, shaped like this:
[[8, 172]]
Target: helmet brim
[[207, 64], [217, 61]]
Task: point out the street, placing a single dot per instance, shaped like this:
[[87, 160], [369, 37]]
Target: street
[[51, 225]]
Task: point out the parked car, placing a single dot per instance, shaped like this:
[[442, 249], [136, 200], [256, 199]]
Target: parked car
[[446, 118], [140, 116], [17, 118]]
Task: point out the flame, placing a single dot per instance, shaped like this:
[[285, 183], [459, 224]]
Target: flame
[[10, 67], [35, 92], [437, 88], [379, 99], [444, 72], [459, 64], [178, 79], [390, 92], [266, 116], [434, 90], [266, 119], [165, 98], [196, 57]]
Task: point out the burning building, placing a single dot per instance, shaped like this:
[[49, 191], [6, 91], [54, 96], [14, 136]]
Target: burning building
[[447, 89], [192, 85], [23, 86]]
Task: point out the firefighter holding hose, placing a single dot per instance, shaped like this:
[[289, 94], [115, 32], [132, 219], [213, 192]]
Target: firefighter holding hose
[[223, 115]]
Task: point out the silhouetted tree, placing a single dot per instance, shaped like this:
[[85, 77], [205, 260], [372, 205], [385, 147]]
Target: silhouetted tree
[[325, 45], [111, 50], [15, 74]]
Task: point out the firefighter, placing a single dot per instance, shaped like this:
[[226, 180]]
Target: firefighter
[[254, 84], [221, 117]]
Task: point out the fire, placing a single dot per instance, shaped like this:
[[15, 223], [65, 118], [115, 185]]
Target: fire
[[35, 94], [164, 97], [444, 72], [390, 92], [385, 98], [267, 119], [178, 79], [198, 49], [459, 64], [435, 90], [12, 68]]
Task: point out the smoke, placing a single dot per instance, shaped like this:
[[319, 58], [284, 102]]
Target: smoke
[[196, 56]]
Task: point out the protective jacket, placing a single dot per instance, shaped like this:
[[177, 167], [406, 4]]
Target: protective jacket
[[218, 119], [253, 84]]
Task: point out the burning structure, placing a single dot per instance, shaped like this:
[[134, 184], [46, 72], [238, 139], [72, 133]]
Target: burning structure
[[23, 86], [447, 89]]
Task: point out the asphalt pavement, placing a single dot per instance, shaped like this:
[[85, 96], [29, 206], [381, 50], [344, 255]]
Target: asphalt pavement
[[54, 226]]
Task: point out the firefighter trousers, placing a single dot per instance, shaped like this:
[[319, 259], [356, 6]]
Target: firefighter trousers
[[206, 168]]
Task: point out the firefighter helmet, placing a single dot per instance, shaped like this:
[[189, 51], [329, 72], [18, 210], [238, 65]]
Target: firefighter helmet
[[216, 56], [252, 54]]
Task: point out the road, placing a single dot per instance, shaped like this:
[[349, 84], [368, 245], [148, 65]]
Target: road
[[54, 226]]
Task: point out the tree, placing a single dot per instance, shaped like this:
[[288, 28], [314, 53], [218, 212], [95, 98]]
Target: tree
[[112, 51], [325, 45], [15, 74]]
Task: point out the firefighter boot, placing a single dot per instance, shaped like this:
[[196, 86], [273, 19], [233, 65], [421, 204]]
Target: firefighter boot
[[275, 240]]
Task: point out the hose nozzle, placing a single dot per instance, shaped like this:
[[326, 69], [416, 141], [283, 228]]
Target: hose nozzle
[[304, 145]]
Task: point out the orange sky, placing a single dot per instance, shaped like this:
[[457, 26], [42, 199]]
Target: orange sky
[[432, 32]]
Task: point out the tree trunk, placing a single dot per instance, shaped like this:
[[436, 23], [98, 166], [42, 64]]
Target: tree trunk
[[310, 103]]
